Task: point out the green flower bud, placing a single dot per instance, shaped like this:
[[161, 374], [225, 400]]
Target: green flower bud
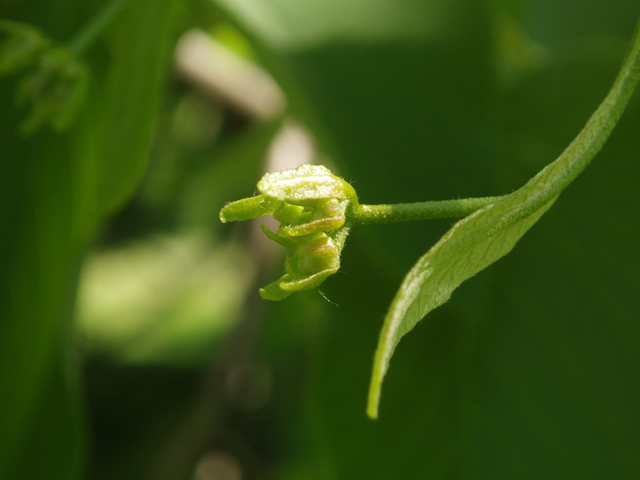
[[55, 82], [307, 266], [305, 185], [287, 213], [22, 47], [328, 214], [311, 204], [55, 91]]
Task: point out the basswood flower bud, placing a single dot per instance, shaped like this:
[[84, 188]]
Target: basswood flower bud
[[311, 204]]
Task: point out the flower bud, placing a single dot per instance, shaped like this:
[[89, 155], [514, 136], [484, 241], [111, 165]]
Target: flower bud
[[311, 204], [54, 83], [305, 185], [22, 47]]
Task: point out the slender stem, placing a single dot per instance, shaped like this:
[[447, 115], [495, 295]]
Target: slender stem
[[552, 180], [556, 176], [81, 42], [402, 212]]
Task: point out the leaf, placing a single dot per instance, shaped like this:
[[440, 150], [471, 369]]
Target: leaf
[[49, 210], [121, 117], [487, 235], [38, 257]]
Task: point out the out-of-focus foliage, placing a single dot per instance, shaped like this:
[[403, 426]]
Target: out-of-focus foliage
[[530, 371], [56, 188]]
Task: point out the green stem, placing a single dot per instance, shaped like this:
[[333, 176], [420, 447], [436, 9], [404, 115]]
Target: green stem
[[403, 212], [590, 140], [96, 27], [563, 171]]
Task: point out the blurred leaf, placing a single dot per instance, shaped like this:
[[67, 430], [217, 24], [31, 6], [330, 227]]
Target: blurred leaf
[[288, 26], [118, 126], [166, 300], [38, 261], [228, 174], [49, 210]]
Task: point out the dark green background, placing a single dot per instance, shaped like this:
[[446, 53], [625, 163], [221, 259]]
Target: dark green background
[[531, 371]]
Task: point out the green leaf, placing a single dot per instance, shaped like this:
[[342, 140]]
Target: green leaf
[[298, 25], [118, 126], [55, 189], [487, 235], [38, 257]]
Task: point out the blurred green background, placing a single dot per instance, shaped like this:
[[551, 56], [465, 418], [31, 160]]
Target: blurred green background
[[133, 342]]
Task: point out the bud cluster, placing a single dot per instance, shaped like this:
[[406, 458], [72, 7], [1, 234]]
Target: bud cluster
[[311, 204], [54, 83]]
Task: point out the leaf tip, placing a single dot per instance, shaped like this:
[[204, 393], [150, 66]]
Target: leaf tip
[[374, 400], [372, 412]]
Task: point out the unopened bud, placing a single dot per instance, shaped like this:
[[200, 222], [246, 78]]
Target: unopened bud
[[311, 204]]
